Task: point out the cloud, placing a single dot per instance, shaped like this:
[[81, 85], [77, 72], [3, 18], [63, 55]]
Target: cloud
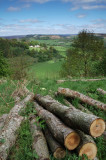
[[86, 4], [88, 7], [84, 1], [37, 1], [13, 9], [30, 21], [81, 15], [26, 6], [15, 29]]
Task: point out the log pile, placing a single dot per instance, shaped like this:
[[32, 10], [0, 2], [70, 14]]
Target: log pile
[[85, 123], [66, 126]]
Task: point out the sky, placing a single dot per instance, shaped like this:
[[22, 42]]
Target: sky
[[23, 17]]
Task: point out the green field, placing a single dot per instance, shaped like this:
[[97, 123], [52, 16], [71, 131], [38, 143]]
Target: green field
[[44, 70]]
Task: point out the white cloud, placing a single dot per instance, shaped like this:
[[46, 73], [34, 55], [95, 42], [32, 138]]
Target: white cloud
[[84, 1], [81, 15], [37, 1], [13, 9], [30, 21], [14, 29], [88, 7], [86, 4]]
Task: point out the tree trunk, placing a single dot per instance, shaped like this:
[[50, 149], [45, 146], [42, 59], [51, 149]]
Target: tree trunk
[[12, 123], [2, 120], [55, 147], [8, 136], [101, 91], [85, 99], [83, 80], [39, 144], [18, 107], [82, 108], [61, 132], [73, 117], [87, 146]]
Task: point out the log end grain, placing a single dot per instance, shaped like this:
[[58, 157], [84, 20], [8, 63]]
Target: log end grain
[[59, 153], [97, 127], [72, 141], [89, 149]]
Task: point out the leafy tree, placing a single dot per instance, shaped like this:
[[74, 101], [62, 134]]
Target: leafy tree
[[4, 68], [87, 49]]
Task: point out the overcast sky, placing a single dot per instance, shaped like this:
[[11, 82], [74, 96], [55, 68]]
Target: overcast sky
[[22, 17]]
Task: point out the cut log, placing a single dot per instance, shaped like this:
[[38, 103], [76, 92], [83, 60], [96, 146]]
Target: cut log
[[73, 117], [18, 107], [2, 120], [85, 99], [8, 136], [39, 144], [12, 123], [87, 146], [101, 91], [83, 80], [61, 81], [63, 134], [88, 80], [56, 149], [82, 108]]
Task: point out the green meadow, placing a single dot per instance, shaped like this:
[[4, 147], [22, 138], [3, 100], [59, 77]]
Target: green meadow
[[49, 69]]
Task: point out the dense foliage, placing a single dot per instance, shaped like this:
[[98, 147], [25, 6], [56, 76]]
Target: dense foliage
[[4, 68], [12, 48], [85, 55]]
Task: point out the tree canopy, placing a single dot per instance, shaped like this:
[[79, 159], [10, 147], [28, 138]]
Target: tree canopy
[[86, 51]]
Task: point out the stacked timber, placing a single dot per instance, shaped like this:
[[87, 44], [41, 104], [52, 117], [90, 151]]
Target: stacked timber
[[66, 127], [74, 118], [63, 134], [87, 125]]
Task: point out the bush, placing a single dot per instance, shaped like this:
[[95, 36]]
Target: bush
[[4, 67]]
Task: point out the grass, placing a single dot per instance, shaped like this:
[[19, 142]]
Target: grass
[[48, 69]]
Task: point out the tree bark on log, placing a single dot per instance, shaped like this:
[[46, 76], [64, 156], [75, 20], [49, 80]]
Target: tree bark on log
[[101, 91], [87, 146], [63, 134], [18, 107], [8, 136], [12, 123], [82, 108], [73, 117], [85, 99], [55, 147], [39, 144], [83, 80], [2, 120], [88, 80]]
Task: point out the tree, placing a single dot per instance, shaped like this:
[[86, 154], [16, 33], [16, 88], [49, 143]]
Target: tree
[[87, 49], [4, 68]]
